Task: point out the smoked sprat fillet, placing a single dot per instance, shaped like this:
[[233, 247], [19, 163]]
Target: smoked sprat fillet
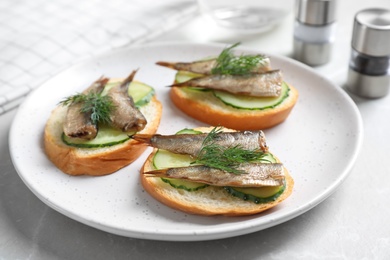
[[192, 143], [206, 66], [79, 124], [256, 175], [126, 116], [267, 84]]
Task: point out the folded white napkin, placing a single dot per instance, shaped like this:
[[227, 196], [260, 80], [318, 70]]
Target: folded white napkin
[[40, 38]]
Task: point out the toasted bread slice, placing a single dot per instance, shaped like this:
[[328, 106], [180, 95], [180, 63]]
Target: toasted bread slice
[[211, 200], [95, 161]]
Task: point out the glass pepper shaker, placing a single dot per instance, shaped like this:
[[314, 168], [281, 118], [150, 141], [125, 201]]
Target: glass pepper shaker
[[369, 66]]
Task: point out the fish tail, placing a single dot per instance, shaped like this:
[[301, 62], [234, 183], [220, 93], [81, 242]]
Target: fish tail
[[143, 138], [129, 79], [188, 83], [171, 65], [156, 173], [102, 83], [262, 142], [97, 86], [103, 80]]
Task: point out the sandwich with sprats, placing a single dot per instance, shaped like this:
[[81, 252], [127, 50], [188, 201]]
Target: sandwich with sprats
[[88, 133], [236, 91], [214, 171]]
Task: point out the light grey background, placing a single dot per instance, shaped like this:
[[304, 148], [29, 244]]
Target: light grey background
[[353, 223]]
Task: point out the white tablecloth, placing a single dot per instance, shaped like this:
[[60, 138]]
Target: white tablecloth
[[39, 38]]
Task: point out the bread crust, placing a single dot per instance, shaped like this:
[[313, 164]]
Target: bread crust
[[95, 161], [208, 201], [212, 111]]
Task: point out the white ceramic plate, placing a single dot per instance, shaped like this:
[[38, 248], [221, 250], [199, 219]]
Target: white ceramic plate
[[318, 143]]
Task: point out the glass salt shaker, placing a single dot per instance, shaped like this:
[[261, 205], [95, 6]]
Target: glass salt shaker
[[369, 67], [314, 31]]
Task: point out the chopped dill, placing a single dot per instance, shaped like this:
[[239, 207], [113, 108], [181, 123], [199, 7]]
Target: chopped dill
[[99, 107], [228, 64], [225, 158]]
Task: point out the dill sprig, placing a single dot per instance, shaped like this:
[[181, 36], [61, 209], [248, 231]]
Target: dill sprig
[[225, 158], [228, 64], [98, 106]]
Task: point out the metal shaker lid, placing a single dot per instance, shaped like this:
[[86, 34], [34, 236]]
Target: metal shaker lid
[[371, 32], [315, 12]]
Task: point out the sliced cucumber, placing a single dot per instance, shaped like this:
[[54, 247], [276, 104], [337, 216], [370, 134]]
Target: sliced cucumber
[[188, 131], [182, 76], [252, 103], [164, 159], [185, 185], [140, 92], [257, 195], [106, 136], [268, 158]]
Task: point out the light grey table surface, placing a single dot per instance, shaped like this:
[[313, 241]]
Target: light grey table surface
[[353, 223]]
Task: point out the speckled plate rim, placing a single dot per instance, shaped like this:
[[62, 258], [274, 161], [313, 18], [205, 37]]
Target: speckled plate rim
[[138, 215]]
